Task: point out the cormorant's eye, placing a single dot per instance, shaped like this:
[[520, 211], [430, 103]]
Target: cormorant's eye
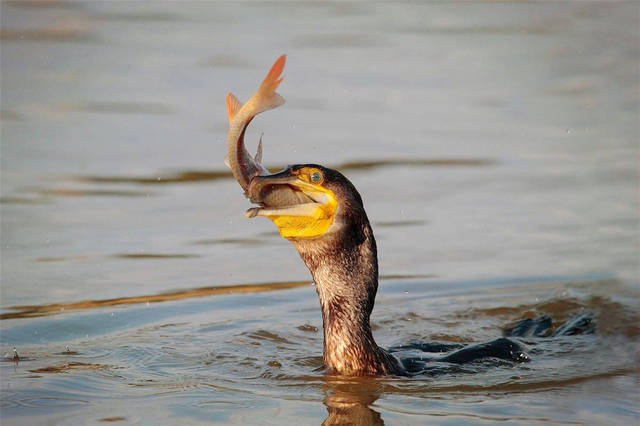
[[316, 177]]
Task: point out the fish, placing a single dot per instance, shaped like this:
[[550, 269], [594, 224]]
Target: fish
[[243, 166]]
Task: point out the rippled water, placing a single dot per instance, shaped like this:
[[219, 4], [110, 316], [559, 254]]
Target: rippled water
[[495, 146]]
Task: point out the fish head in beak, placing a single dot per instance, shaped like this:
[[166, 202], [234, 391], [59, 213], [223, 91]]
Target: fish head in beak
[[301, 200]]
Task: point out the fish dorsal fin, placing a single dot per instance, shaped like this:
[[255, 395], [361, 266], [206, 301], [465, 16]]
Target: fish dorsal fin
[[233, 106], [258, 157]]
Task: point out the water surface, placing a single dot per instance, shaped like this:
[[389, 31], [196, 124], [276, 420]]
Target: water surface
[[495, 146]]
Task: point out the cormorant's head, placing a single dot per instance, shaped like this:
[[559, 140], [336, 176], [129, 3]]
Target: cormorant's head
[[306, 201]]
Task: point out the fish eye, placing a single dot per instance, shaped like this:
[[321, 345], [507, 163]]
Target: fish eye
[[316, 177]]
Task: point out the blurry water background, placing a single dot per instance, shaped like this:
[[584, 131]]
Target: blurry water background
[[495, 146]]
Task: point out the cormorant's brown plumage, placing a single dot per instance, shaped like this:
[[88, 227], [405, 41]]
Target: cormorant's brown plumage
[[328, 225], [322, 214], [344, 265]]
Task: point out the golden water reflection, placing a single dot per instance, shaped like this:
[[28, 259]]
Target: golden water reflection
[[29, 311]]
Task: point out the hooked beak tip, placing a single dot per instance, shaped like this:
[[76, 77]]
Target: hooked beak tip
[[252, 212]]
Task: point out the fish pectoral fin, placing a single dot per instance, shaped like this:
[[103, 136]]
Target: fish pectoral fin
[[233, 106], [226, 161], [258, 156], [307, 209]]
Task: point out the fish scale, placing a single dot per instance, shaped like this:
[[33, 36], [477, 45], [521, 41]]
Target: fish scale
[[241, 163]]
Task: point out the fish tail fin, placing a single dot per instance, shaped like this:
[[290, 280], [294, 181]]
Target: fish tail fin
[[273, 79], [266, 97], [233, 106]]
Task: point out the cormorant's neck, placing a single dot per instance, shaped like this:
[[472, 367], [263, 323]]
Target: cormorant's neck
[[344, 266]]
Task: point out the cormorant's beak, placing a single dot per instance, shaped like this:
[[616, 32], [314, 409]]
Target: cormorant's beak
[[299, 207], [275, 190]]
